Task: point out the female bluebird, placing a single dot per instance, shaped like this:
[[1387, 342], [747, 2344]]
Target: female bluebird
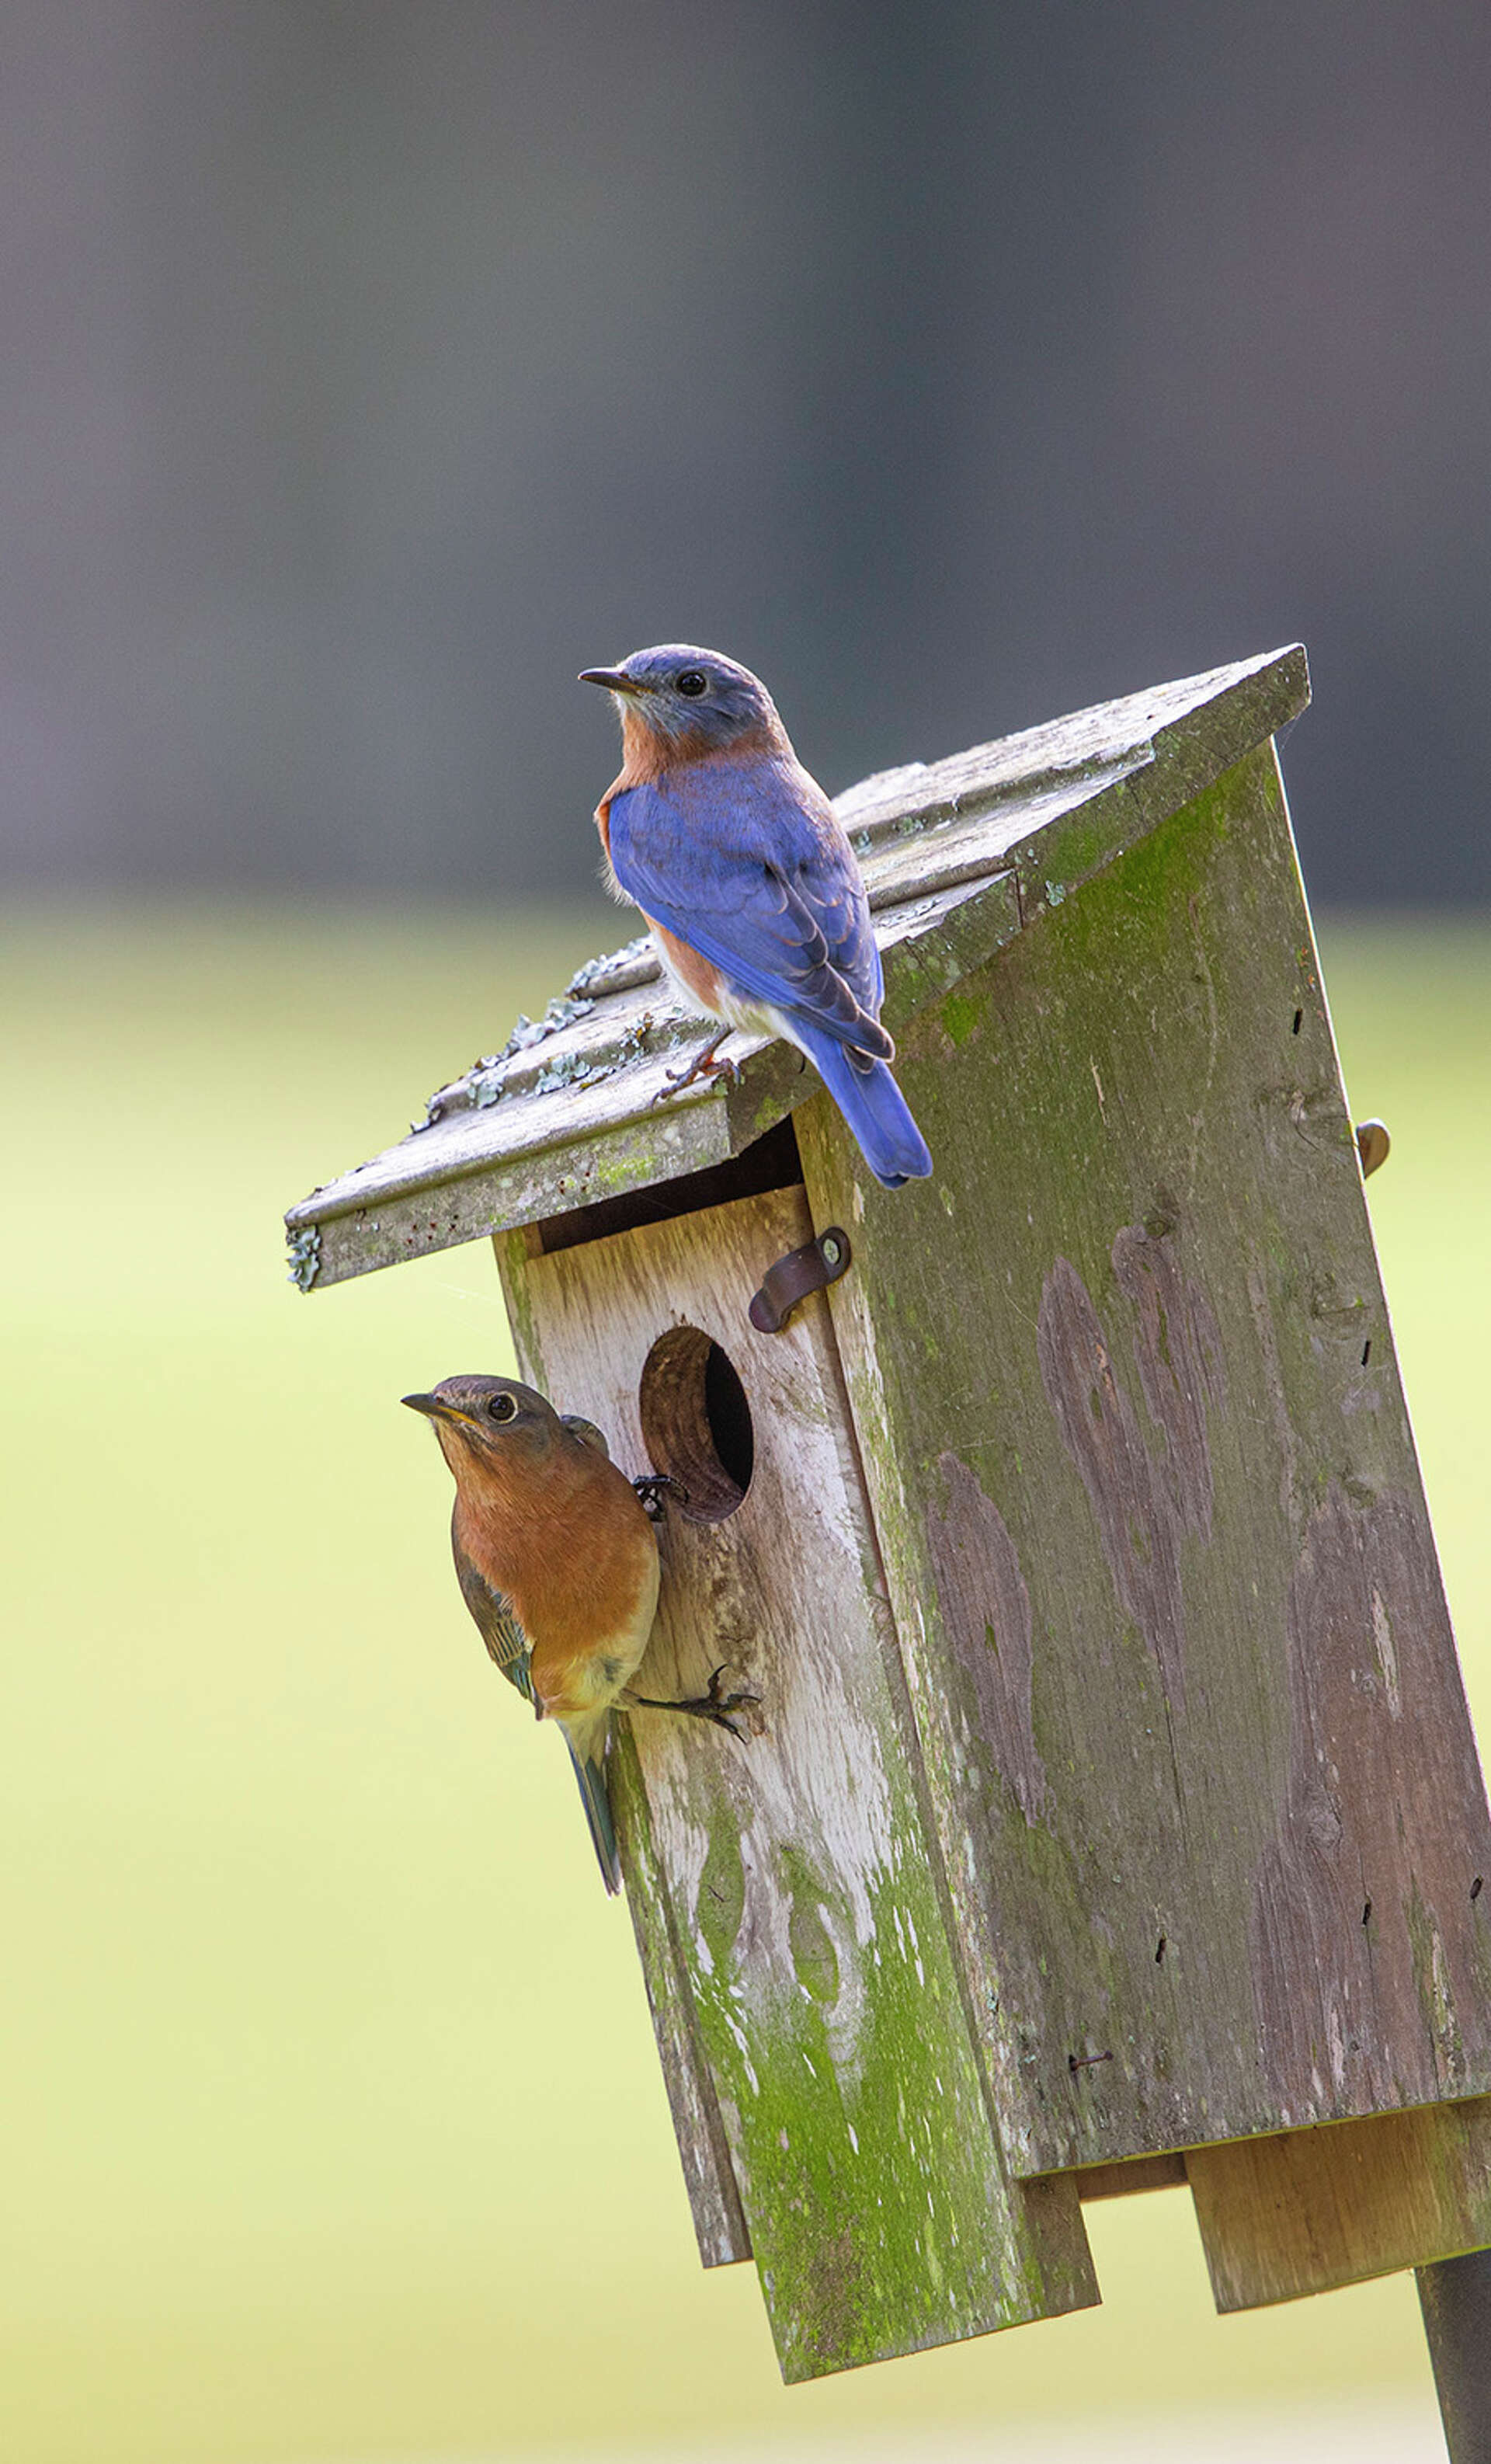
[[558, 1563], [741, 866]]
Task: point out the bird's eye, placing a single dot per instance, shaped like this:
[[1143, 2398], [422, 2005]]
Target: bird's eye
[[501, 1407], [693, 681]]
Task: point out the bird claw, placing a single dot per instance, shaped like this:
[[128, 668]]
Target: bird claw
[[713, 1706], [716, 1707], [651, 1487], [704, 1064]]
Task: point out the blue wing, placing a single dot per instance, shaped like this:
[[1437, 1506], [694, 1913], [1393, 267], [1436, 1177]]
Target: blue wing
[[498, 1627], [744, 859]]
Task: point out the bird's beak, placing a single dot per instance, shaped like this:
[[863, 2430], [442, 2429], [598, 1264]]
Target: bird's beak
[[432, 1407], [613, 679]]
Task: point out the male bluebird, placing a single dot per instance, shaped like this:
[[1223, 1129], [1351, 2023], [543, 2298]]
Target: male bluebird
[[741, 866], [558, 1563]]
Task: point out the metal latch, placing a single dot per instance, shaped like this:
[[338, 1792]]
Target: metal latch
[[808, 1269]]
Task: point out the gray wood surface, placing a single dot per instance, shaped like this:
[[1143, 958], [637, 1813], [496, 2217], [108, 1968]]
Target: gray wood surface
[[957, 854], [1124, 1381], [794, 1919]]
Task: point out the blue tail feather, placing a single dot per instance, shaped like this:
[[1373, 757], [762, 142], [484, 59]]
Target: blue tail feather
[[876, 1110], [590, 1772]]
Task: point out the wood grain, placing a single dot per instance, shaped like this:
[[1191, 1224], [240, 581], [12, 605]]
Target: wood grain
[[787, 1892], [1316, 2209], [1152, 1527]]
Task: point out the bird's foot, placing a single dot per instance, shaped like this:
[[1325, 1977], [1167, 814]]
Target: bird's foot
[[704, 1064], [654, 1487], [713, 1706]]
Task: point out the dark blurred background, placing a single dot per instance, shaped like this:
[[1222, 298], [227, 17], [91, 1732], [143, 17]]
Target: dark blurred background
[[371, 366]]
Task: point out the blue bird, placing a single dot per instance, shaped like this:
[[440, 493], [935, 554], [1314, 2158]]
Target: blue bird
[[743, 871]]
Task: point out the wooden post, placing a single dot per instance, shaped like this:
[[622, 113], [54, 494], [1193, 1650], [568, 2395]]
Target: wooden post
[[1455, 2298]]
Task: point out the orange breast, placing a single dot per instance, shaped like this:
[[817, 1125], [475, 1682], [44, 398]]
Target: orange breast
[[572, 1547]]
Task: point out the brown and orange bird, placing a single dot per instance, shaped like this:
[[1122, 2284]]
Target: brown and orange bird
[[558, 1563]]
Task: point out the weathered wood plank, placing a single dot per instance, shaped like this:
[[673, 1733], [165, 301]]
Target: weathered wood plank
[[1209, 722], [719, 2221], [1153, 1525], [576, 1108], [793, 1876], [1316, 2209], [1139, 2174]]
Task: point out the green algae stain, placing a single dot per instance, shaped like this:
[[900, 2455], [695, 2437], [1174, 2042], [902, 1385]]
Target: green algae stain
[[813, 1955], [962, 1015], [878, 2204], [721, 1906], [875, 2185]]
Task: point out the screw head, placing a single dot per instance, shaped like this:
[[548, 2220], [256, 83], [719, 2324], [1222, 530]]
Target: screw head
[[830, 1249]]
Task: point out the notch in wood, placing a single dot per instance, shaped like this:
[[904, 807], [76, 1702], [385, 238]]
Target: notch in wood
[[1373, 1144], [809, 1270]]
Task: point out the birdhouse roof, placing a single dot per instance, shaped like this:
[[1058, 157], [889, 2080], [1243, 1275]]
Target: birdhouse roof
[[959, 856]]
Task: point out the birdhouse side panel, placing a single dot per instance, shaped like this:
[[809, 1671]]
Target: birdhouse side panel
[[720, 2228], [719, 2223], [791, 1873], [1132, 1427]]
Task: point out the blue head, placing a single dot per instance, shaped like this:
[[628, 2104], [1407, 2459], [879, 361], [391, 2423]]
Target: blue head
[[691, 699]]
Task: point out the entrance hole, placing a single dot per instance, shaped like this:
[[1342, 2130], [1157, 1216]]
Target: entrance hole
[[696, 1423]]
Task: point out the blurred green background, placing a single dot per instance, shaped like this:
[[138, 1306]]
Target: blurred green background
[[334, 2124]]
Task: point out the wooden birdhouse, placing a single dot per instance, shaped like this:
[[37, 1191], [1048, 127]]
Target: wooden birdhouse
[[1116, 1815]]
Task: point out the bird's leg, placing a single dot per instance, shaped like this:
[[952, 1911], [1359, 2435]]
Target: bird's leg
[[652, 1488], [713, 1706], [704, 1064]]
